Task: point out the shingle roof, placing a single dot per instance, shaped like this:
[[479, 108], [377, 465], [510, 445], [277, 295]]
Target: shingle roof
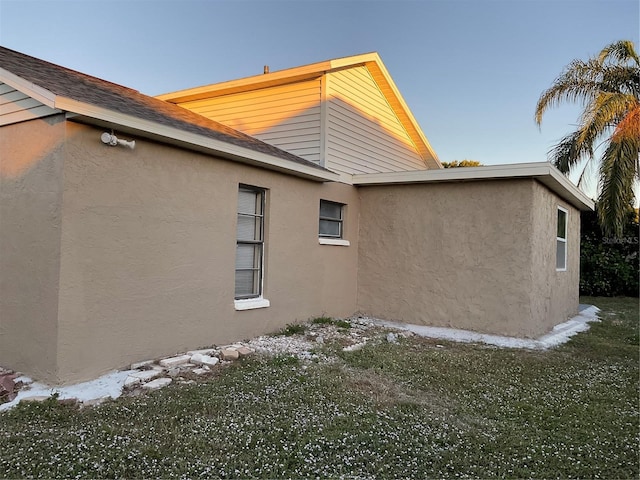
[[90, 90]]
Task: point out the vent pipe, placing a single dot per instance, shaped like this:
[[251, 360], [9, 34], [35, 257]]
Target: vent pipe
[[266, 69]]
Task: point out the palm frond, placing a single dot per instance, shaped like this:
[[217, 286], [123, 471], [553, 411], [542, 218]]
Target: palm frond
[[618, 171], [628, 128], [579, 82], [621, 51], [569, 151], [603, 114]]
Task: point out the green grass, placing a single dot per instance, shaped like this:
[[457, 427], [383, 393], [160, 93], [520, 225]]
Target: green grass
[[407, 410]]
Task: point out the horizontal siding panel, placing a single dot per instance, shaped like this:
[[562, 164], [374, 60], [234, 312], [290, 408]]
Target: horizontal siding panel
[[11, 97], [272, 119], [292, 144], [286, 116], [4, 88], [375, 106], [299, 137], [359, 151], [364, 92], [360, 136], [17, 107], [255, 109], [24, 115], [24, 104], [296, 128], [278, 94], [224, 104], [345, 153], [364, 134], [337, 165], [366, 130]]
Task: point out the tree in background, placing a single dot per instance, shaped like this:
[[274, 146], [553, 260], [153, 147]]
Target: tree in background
[[461, 163], [609, 266], [609, 88]]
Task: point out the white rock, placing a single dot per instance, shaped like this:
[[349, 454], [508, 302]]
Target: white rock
[[23, 379], [229, 354], [354, 347], [175, 361], [130, 381], [136, 366], [200, 359], [146, 375], [204, 351], [157, 383], [392, 338], [244, 351], [200, 371]]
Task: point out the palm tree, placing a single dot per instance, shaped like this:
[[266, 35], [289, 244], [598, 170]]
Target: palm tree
[[609, 88]]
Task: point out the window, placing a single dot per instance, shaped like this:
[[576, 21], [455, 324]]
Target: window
[[561, 240], [330, 228], [250, 245], [330, 219]]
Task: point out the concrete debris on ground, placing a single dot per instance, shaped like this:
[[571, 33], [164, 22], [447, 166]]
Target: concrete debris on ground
[[351, 334]]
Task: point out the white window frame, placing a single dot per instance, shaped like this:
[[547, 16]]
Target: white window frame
[[562, 240], [249, 302], [327, 239]]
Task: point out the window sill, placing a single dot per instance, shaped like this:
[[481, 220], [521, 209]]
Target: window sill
[[334, 241], [251, 303]]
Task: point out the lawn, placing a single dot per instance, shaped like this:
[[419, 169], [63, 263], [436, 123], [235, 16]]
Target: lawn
[[414, 409]]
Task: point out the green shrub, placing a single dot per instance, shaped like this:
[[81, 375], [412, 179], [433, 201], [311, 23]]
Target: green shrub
[[292, 329], [322, 321], [608, 265]]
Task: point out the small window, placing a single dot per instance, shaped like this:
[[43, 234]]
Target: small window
[[561, 240], [250, 243], [330, 219]]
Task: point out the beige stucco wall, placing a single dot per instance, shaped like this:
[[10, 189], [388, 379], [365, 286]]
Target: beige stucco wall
[[31, 163], [462, 255], [555, 294], [110, 255], [148, 253]]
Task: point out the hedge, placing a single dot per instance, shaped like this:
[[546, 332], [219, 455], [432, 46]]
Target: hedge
[[608, 265]]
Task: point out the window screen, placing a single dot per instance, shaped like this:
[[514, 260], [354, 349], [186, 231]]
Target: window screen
[[250, 243]]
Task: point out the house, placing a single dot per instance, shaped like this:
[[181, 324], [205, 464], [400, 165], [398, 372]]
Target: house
[[251, 204]]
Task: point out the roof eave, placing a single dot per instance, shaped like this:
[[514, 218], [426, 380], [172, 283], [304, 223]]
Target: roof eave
[[90, 114], [543, 172]]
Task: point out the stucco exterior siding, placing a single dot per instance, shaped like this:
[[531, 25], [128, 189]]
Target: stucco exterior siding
[[148, 252], [30, 218], [555, 294], [462, 255], [363, 133], [287, 116]]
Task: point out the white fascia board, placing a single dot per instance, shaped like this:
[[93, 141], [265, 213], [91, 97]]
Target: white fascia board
[[219, 147], [544, 172], [36, 92]]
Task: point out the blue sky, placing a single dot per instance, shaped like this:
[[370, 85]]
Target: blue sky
[[471, 71]]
